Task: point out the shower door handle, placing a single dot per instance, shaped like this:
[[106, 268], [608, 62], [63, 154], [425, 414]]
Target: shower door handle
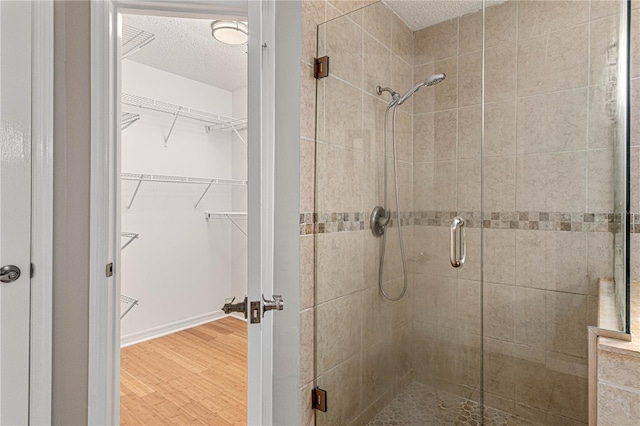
[[458, 242]]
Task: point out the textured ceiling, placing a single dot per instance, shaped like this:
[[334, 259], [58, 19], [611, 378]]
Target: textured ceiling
[[418, 14], [185, 47]]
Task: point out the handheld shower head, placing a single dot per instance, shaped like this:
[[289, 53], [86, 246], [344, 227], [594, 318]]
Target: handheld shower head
[[431, 81]]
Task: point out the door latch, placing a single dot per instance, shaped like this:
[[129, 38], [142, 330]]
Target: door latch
[[230, 307], [269, 305]]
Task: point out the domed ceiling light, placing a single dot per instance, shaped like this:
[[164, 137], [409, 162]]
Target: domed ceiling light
[[230, 32]]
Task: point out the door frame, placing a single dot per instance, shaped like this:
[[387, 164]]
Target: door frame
[[104, 321], [42, 130]]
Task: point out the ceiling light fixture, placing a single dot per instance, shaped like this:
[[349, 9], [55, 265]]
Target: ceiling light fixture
[[230, 32]]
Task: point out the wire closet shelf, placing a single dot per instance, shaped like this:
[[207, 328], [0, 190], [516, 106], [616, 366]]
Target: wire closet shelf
[[178, 179], [134, 39], [231, 216], [210, 120]]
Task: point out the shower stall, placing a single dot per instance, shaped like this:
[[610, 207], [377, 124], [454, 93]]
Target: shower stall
[[508, 178]]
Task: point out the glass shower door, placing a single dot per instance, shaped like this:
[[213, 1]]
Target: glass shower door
[[417, 359]]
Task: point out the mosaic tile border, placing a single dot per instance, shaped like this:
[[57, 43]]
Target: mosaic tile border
[[326, 223]]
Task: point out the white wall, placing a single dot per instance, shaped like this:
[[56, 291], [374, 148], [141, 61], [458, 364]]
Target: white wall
[[239, 171], [181, 266]]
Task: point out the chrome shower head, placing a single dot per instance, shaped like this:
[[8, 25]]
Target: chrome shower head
[[431, 81]]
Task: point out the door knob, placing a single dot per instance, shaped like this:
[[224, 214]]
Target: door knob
[[268, 305], [9, 273]]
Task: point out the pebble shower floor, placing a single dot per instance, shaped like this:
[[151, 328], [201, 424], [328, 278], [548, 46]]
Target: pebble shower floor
[[423, 405]]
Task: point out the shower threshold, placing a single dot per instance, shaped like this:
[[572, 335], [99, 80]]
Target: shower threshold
[[420, 404]]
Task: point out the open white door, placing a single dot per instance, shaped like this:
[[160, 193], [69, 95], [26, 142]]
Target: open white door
[[260, 208], [15, 210]]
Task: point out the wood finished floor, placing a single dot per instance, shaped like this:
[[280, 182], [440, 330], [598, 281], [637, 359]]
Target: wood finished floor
[[193, 377]]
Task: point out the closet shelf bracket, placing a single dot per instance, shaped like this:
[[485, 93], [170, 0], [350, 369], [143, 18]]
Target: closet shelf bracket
[[231, 216], [203, 194], [128, 119], [131, 238], [166, 140], [129, 301], [135, 192]]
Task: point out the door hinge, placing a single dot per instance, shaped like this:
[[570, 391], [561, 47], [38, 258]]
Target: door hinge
[[321, 67], [109, 269], [319, 399], [32, 270]]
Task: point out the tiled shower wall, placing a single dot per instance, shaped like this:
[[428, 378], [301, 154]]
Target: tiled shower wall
[[361, 340], [546, 191], [547, 194]]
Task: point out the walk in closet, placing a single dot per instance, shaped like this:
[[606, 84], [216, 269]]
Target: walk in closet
[[183, 197]]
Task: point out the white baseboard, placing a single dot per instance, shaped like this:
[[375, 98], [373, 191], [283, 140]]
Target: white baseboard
[[163, 330]]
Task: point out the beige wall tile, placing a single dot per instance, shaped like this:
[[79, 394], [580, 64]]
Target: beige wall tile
[[499, 184], [602, 126], [500, 72], [308, 103], [373, 123], [469, 185], [344, 384], [307, 175], [341, 325], [634, 161], [377, 371], [348, 8], [377, 20], [434, 136], [441, 96], [340, 173], [420, 257], [604, 8], [445, 188], [307, 264], [552, 122], [436, 42], [499, 256], [635, 112], [313, 13], [500, 23], [499, 129], [401, 40], [619, 369], [377, 65], [499, 368], [603, 52], [569, 397], [307, 372], [470, 132], [404, 136], [530, 317], [551, 182], [307, 414], [533, 387], [339, 260], [635, 43], [470, 33], [344, 47], [343, 114], [376, 328], [499, 311], [469, 79], [566, 318], [469, 306], [554, 260], [617, 407], [554, 61], [424, 179], [601, 181], [540, 17], [471, 270]]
